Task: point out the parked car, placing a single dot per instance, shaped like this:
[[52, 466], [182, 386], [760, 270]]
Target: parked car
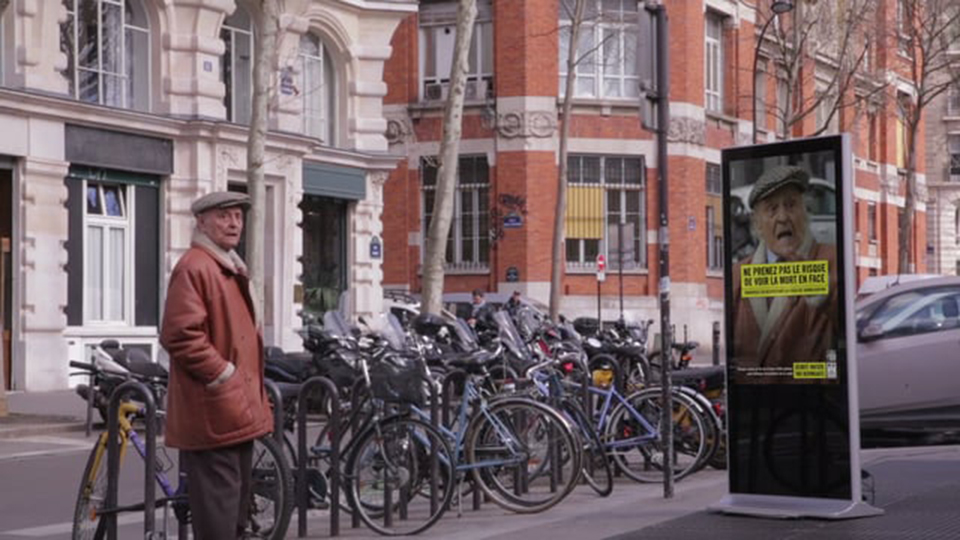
[[908, 356], [875, 284]]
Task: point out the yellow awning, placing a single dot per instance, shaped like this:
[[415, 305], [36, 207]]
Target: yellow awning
[[584, 216]]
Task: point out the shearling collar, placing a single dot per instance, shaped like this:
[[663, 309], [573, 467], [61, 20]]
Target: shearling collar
[[228, 259]]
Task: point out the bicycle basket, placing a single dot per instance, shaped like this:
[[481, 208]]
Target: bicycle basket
[[397, 378]]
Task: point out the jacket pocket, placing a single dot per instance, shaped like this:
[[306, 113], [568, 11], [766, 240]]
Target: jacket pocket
[[227, 406]]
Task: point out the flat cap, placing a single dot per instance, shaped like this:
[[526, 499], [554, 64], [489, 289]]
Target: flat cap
[[220, 199], [778, 177]]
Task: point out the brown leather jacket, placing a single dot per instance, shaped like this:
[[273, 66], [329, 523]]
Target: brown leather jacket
[[209, 320], [791, 328]]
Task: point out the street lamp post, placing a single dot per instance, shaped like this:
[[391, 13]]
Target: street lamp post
[[778, 7]]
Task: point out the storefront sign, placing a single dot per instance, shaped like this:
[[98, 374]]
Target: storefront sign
[[376, 248]]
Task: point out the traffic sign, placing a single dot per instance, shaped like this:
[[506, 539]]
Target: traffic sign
[[601, 264]]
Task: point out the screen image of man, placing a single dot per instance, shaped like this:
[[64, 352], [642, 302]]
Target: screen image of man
[[781, 325]]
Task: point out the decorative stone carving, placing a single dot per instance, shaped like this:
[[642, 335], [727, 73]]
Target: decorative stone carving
[[687, 130], [536, 124], [377, 180], [399, 131]]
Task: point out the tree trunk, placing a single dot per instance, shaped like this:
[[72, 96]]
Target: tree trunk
[[264, 67], [439, 228], [559, 218], [905, 242]]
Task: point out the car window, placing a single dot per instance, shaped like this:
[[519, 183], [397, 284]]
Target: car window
[[920, 311]]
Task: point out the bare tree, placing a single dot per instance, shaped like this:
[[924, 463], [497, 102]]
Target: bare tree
[[264, 69], [439, 228], [836, 39], [924, 34], [559, 218]]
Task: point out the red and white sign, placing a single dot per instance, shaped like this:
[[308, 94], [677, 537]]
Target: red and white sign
[[601, 268]]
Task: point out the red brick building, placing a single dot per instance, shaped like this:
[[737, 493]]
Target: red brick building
[[507, 187]]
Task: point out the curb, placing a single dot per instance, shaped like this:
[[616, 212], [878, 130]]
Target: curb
[[32, 425]]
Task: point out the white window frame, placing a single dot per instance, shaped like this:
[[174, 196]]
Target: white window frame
[[441, 17], [319, 99], [242, 114], [107, 224], [476, 191], [602, 33], [872, 232], [760, 94], [583, 262], [129, 60], [953, 100], [713, 62], [714, 233], [953, 154]]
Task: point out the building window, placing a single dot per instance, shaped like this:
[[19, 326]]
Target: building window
[[607, 65], [714, 226], [783, 108], [236, 65], [872, 136], [760, 95], [107, 45], [953, 149], [107, 257], [713, 63], [319, 89], [872, 222], [438, 33], [953, 100], [606, 211], [468, 245]]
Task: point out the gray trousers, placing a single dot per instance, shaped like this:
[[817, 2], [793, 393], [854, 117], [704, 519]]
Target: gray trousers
[[218, 490]]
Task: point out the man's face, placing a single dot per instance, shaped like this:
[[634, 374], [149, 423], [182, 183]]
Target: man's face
[[222, 225], [477, 299], [781, 220]]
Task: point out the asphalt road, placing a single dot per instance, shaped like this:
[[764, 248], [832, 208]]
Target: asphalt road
[[40, 478]]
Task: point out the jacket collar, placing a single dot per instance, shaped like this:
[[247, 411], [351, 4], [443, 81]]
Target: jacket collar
[[227, 259]]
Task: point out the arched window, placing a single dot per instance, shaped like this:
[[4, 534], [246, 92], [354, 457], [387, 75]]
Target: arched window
[[236, 65], [319, 89], [107, 43]]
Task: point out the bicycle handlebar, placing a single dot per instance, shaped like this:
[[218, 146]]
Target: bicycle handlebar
[[83, 365]]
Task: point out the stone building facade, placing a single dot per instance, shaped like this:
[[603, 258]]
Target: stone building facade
[[117, 114]]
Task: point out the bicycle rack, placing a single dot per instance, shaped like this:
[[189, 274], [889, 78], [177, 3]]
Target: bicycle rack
[[273, 392], [334, 420], [447, 396], [113, 457], [359, 387]]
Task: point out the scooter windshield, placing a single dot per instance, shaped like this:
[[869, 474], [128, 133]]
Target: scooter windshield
[[509, 335], [335, 324]]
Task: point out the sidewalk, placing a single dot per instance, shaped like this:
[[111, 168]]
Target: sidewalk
[[41, 413]]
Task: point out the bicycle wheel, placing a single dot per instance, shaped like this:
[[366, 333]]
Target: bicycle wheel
[[389, 475], [634, 439], [526, 457], [596, 468], [271, 503], [92, 496]]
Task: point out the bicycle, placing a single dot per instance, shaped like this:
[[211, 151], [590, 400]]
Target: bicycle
[[630, 428], [272, 486]]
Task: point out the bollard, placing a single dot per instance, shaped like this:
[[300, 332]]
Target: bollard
[[334, 420], [113, 457], [716, 343], [273, 392]]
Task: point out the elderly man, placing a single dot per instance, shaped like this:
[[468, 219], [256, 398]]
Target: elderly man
[[777, 330], [217, 404]]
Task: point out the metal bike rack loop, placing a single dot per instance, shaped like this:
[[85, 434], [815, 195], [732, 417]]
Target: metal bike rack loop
[[273, 392], [113, 457], [334, 420]]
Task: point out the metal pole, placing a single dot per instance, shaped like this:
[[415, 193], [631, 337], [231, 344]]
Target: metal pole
[[599, 320], [620, 258], [663, 125], [716, 343]]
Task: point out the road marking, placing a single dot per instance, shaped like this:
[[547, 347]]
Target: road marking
[[122, 521]]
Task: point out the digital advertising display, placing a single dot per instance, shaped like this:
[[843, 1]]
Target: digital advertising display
[[793, 423]]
